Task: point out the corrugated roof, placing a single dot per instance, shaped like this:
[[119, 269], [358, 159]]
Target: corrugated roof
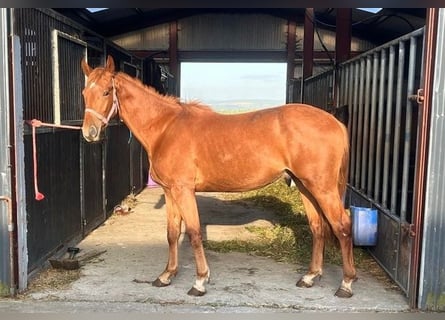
[[385, 25]]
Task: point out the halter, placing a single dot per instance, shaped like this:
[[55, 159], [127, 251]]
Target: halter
[[114, 108]]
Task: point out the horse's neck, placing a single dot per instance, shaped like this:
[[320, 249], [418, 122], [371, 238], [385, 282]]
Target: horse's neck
[[145, 112]]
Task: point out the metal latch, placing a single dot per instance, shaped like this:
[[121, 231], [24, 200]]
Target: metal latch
[[419, 97]]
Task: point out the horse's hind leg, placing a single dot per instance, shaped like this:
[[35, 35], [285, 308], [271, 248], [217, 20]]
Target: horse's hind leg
[[318, 242], [340, 223], [185, 200], [174, 220]]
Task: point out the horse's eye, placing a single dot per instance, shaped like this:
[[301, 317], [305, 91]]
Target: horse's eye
[[106, 93]]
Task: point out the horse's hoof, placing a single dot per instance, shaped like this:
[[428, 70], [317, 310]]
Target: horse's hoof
[[195, 292], [303, 284], [158, 283], [343, 293]]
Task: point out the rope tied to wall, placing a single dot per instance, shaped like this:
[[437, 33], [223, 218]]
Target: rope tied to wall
[[34, 123]]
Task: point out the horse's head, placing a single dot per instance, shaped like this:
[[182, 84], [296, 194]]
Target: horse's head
[[100, 99]]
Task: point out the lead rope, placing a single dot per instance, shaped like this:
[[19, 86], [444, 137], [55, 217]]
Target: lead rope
[[37, 123]]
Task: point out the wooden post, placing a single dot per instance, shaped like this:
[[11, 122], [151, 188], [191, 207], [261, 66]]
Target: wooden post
[[308, 43], [343, 35], [291, 48], [173, 55]]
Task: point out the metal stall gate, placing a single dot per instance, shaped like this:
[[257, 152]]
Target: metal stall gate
[[6, 224], [318, 90], [50, 50], [81, 182], [377, 87]]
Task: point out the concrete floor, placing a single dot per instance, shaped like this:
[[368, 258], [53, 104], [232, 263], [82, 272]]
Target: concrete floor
[[135, 248]]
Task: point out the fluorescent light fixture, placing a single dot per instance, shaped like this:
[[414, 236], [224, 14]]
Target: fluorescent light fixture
[[93, 10], [370, 10]]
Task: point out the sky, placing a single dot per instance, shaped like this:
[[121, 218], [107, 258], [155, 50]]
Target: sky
[[228, 85]]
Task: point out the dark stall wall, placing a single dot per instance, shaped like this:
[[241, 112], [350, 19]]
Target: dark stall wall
[[117, 165], [137, 160], [92, 184], [56, 219]]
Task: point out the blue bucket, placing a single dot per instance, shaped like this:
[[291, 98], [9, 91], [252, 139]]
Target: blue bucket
[[364, 226]]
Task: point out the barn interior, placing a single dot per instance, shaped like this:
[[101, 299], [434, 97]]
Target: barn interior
[[325, 38], [327, 52]]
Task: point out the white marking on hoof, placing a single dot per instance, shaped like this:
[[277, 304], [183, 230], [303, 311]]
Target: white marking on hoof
[[200, 283], [165, 281], [308, 279], [345, 290], [346, 285]]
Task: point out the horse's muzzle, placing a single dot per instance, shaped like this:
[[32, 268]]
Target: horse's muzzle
[[91, 133]]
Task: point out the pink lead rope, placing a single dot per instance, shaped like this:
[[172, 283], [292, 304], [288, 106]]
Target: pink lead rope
[[37, 123]]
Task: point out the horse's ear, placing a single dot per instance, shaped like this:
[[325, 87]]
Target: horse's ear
[[110, 64], [85, 67]]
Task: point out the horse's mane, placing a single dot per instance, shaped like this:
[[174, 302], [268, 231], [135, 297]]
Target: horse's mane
[[196, 106], [192, 106]]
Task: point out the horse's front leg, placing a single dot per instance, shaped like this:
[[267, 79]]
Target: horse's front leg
[[185, 199], [174, 221]]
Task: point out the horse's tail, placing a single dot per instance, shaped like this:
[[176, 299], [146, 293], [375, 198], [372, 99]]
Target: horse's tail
[[328, 233], [344, 166]]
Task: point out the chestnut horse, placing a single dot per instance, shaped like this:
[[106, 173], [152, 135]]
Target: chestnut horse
[[192, 148]]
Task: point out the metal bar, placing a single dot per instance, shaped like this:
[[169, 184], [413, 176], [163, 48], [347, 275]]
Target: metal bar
[[344, 79], [324, 97], [388, 128], [372, 133], [415, 294], [389, 44], [350, 104], [365, 148], [315, 97], [397, 129], [360, 123], [330, 85], [339, 90], [354, 111], [408, 128], [380, 121], [70, 38], [338, 93], [343, 88]]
